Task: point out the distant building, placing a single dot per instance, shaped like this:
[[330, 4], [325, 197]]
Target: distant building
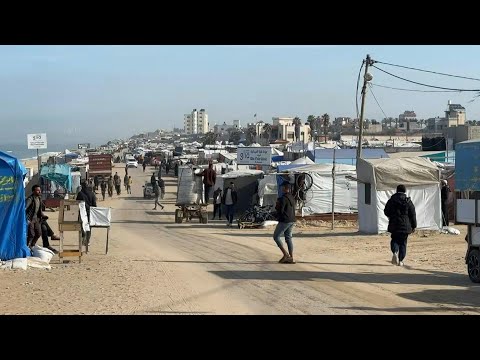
[[196, 122], [463, 133], [436, 124], [286, 130], [455, 114], [408, 121], [223, 128]]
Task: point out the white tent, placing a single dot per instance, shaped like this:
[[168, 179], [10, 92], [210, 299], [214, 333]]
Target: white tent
[[319, 196], [378, 180]]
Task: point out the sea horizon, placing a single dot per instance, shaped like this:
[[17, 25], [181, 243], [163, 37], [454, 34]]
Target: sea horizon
[[21, 151]]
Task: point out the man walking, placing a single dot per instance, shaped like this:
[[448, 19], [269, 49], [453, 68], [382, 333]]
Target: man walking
[[156, 191], [209, 178], [161, 185], [444, 193], [103, 187], [286, 220], [129, 185], [33, 209], [230, 199], [110, 186], [402, 221], [90, 200], [217, 203]]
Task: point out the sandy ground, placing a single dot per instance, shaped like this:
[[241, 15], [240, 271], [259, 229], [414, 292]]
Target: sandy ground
[[155, 266]]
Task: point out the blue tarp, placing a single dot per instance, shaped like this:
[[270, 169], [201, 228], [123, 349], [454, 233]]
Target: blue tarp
[[13, 223], [59, 173]]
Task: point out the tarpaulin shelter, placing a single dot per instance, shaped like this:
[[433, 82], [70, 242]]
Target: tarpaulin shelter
[[59, 173], [318, 199], [378, 180], [13, 223]]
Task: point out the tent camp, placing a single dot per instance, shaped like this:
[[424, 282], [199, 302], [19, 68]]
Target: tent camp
[[13, 224], [319, 196], [378, 180]]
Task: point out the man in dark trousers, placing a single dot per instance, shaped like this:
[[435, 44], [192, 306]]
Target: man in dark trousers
[[229, 200], [217, 204], [286, 220], [209, 178], [33, 209], [90, 199], [402, 221], [445, 191]]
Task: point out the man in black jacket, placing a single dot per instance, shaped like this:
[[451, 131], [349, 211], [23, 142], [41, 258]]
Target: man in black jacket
[[33, 208], [444, 194], [286, 220], [229, 200], [90, 199], [402, 221]]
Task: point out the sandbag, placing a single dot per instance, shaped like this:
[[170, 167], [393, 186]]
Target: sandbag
[[19, 263], [43, 253]]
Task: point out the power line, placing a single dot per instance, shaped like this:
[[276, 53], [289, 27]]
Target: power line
[[428, 71], [433, 91], [371, 90], [427, 85]]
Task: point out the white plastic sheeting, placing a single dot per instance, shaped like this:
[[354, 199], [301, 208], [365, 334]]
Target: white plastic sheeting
[[100, 216], [425, 198], [422, 180], [186, 192], [319, 196]]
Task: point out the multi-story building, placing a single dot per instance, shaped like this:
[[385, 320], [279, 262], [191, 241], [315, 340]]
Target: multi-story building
[[223, 128], [196, 122], [408, 121], [455, 114], [286, 130]]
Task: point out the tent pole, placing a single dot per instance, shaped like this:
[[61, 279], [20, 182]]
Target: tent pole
[[333, 190]]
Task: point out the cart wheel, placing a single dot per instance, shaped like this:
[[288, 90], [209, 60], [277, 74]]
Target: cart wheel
[[178, 216], [473, 265]]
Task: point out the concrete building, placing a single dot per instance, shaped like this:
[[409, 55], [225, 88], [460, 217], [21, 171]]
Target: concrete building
[[455, 114], [463, 133], [196, 122], [223, 128], [286, 130], [374, 128], [408, 121], [436, 124]]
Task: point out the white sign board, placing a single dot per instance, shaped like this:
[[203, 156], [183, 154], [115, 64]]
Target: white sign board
[[37, 141], [254, 156]]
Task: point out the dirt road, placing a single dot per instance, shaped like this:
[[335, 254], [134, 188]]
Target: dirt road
[[155, 266]]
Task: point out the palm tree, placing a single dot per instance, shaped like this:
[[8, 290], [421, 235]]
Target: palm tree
[[297, 123], [311, 123], [250, 135], [235, 137], [325, 122], [267, 131]]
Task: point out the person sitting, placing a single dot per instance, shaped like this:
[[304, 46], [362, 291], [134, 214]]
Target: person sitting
[[46, 233]]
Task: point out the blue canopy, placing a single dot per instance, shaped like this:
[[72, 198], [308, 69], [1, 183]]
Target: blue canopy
[[13, 223], [59, 173]]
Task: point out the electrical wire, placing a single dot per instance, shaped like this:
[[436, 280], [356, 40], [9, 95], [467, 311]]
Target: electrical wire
[[358, 81], [427, 85], [433, 91], [428, 71], [371, 90]]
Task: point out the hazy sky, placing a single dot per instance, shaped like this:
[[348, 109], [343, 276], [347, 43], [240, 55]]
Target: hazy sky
[[96, 93]]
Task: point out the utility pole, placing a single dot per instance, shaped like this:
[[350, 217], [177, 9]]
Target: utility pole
[[333, 190], [366, 78]]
